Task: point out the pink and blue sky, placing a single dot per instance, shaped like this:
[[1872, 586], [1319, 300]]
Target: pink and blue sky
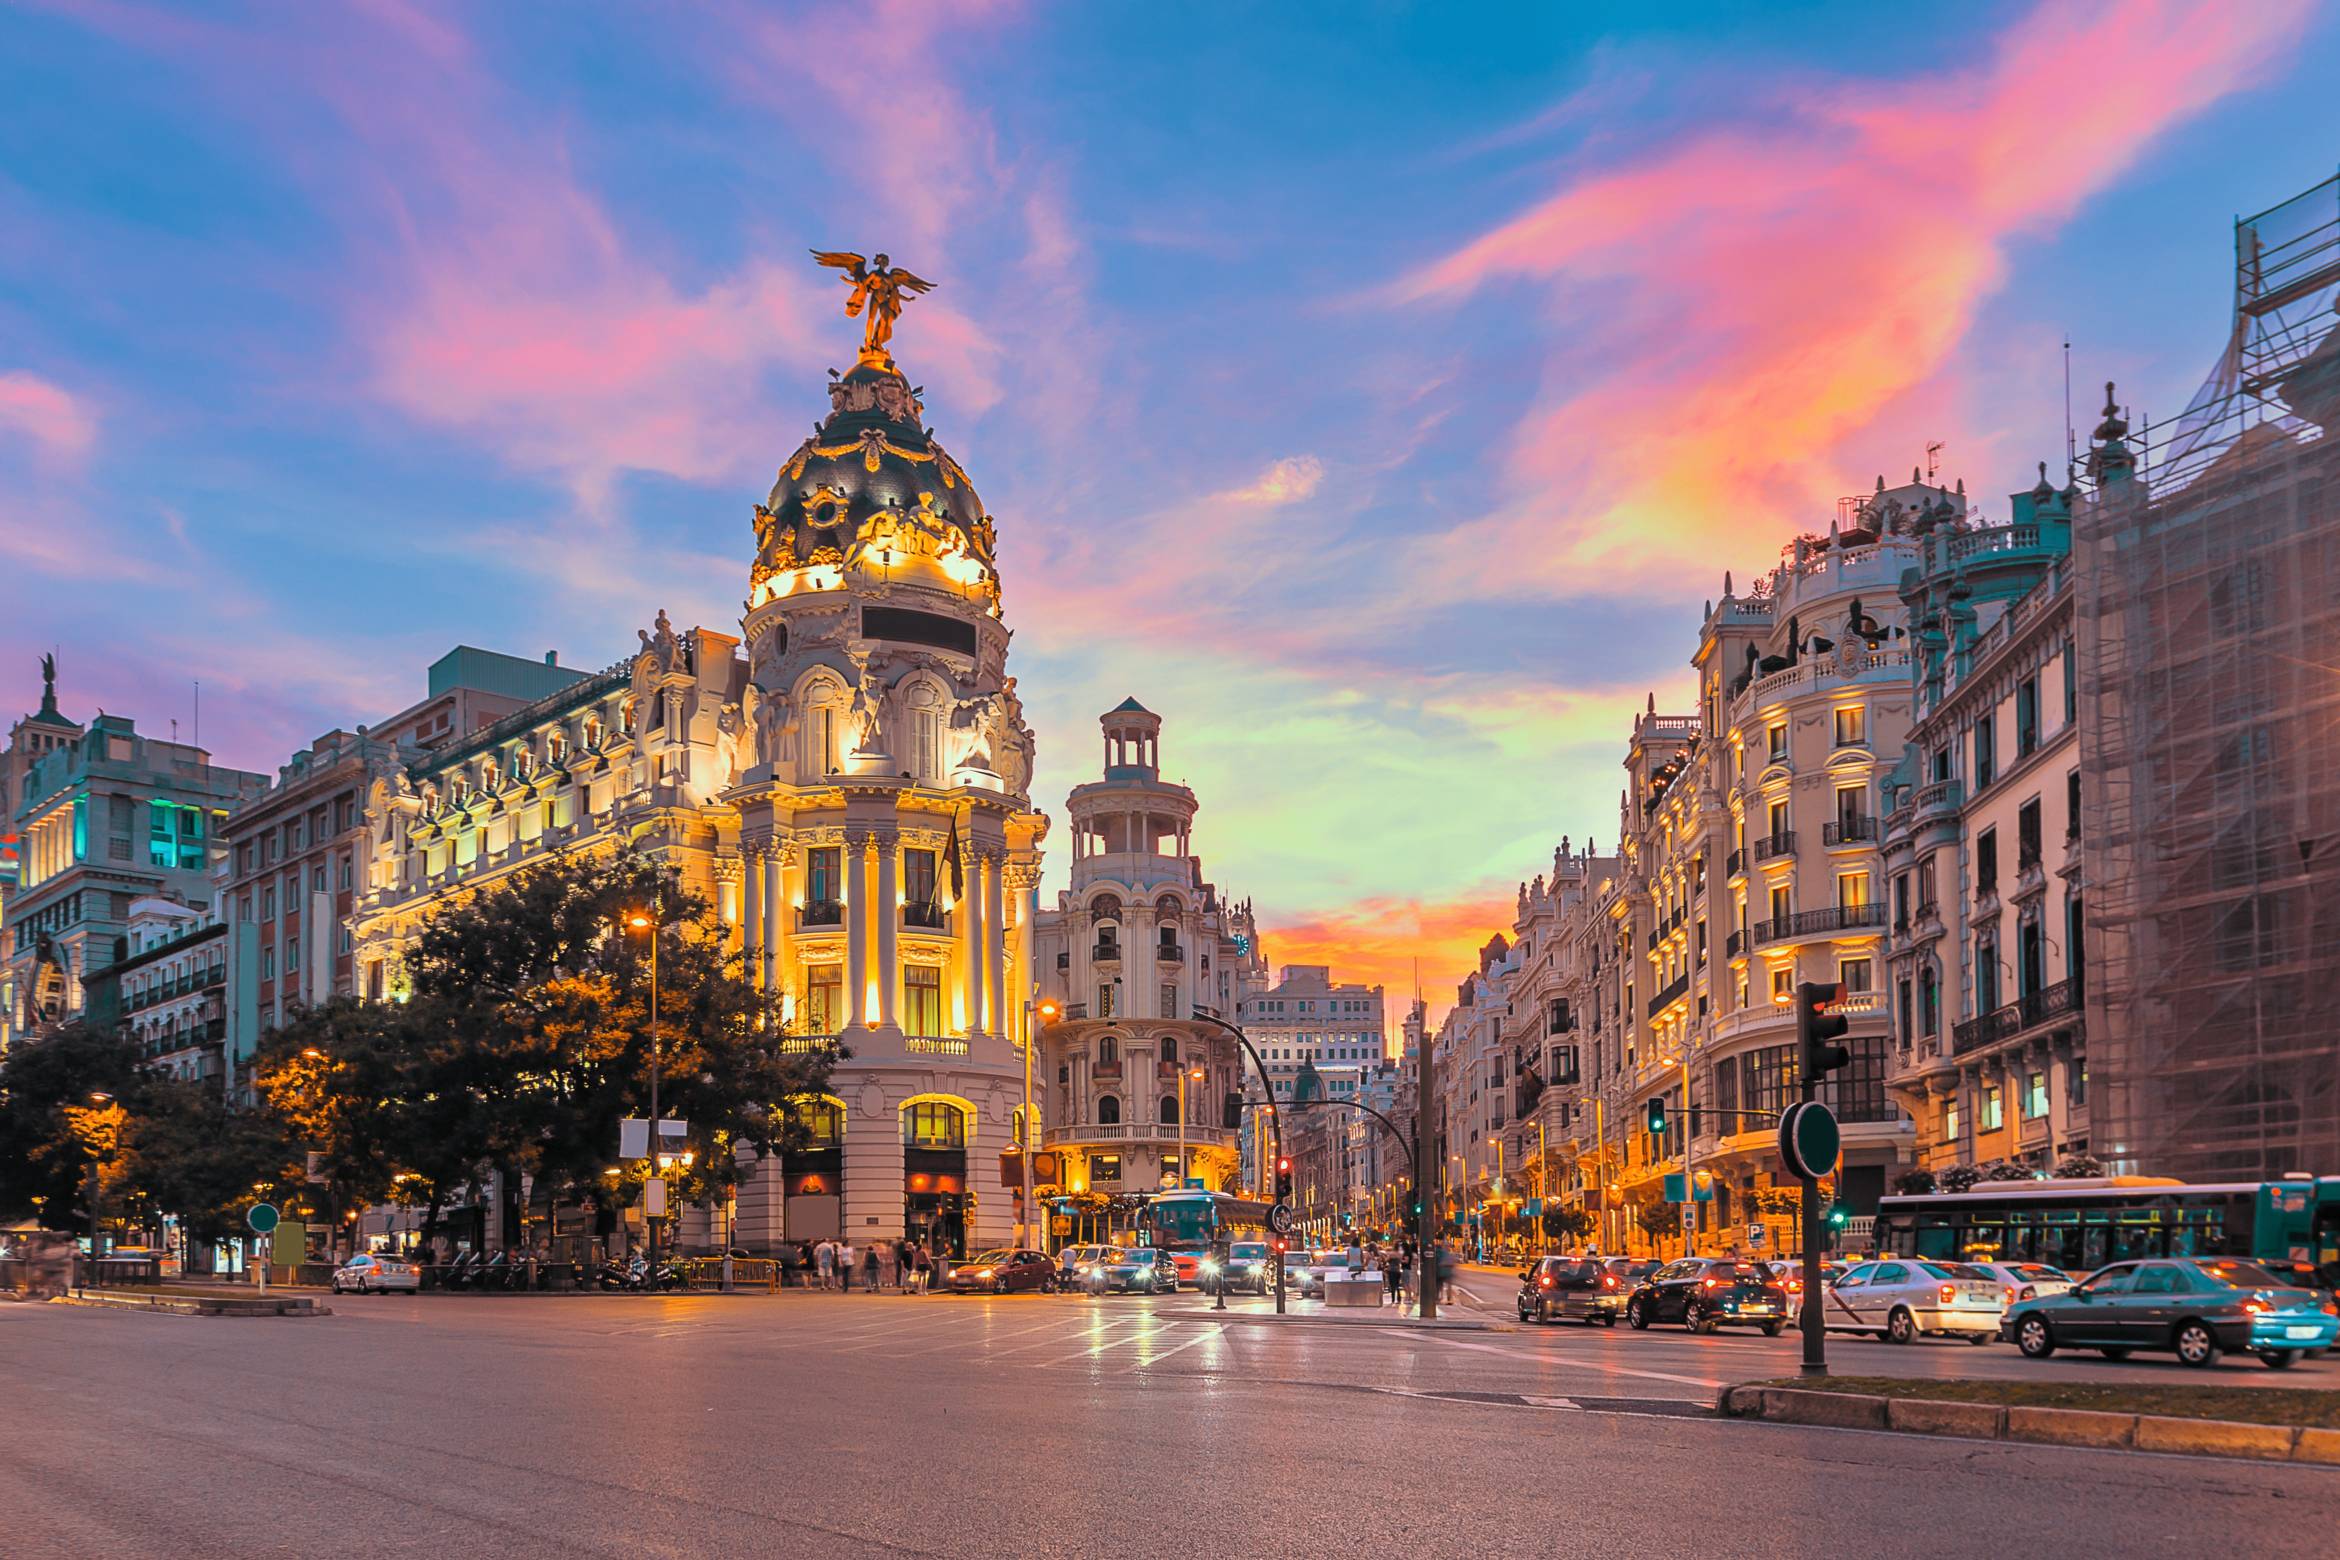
[[1376, 391]]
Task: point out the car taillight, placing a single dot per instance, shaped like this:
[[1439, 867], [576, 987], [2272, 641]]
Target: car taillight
[[1608, 1280], [2254, 1305], [1949, 1293], [2027, 1292], [1708, 1283], [1545, 1282], [2331, 1308]]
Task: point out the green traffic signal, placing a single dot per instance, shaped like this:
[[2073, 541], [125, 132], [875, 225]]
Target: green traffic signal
[[1657, 1115], [1838, 1215]]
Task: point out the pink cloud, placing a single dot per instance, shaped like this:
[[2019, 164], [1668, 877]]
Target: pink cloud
[[1382, 941], [1748, 299], [59, 424]]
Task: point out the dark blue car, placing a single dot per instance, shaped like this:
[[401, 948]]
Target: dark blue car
[[2194, 1308]]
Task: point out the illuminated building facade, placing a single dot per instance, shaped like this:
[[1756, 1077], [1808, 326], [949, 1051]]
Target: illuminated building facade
[[845, 780], [1137, 942]]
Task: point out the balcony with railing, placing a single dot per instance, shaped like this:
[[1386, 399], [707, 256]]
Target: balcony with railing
[[1169, 953], [1106, 953], [1196, 1135], [1671, 992], [1767, 846], [1849, 831], [807, 1045], [1735, 863], [1818, 923], [1940, 798], [1734, 944], [925, 915], [2048, 1005], [821, 912]]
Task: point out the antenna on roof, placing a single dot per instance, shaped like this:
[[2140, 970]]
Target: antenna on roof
[[1933, 458], [2071, 442]]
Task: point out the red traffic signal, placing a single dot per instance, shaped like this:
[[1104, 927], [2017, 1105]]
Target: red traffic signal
[[1283, 1179], [1820, 1020]]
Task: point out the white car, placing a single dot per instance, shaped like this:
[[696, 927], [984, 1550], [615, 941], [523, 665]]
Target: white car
[[2026, 1280], [1901, 1297], [1302, 1276], [372, 1273]]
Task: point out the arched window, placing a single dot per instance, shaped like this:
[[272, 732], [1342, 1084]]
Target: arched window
[[1108, 1052], [934, 1124], [626, 712], [926, 733], [592, 732], [1169, 1048], [1108, 1111], [557, 747], [1169, 1117]]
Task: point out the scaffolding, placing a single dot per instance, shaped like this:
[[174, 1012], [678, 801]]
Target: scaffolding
[[2209, 641]]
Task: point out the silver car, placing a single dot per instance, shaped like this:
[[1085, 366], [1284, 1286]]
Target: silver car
[[372, 1272]]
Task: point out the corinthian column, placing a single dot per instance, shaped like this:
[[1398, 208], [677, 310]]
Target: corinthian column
[[857, 897], [751, 912], [995, 944], [888, 917], [772, 909], [974, 921]]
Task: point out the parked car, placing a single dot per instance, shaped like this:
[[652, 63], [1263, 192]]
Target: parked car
[[1003, 1270], [2324, 1281], [1582, 1289], [2026, 1280], [1139, 1270], [2195, 1309], [1788, 1273], [1902, 1298], [1703, 1293], [1302, 1275], [371, 1273]]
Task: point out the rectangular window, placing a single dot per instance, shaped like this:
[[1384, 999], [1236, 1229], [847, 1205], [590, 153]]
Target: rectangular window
[[824, 998], [1900, 900], [1780, 901], [1775, 739], [1854, 973], [1986, 862], [1986, 752], [2076, 1081], [1903, 1009], [1783, 978], [2035, 1097], [922, 1004], [1950, 1119], [918, 876], [1105, 991], [292, 955], [824, 875], [2027, 835], [1852, 726], [1777, 816], [1105, 1167], [1169, 1008], [1986, 973], [2026, 716], [2072, 805], [1852, 890], [1988, 1118], [1852, 812], [268, 964]]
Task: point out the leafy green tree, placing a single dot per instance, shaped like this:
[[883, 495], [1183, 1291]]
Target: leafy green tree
[[49, 1127], [527, 1037], [185, 1151], [1567, 1223]]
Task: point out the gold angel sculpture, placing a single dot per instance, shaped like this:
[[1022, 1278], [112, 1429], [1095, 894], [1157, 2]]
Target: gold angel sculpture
[[879, 287]]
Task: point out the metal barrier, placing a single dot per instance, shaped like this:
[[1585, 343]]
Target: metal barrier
[[746, 1272]]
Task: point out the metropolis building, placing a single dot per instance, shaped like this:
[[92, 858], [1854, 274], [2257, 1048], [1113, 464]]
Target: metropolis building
[[845, 779]]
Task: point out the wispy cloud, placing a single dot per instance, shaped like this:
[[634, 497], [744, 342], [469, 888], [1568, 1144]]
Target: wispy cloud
[[1737, 303], [56, 423]]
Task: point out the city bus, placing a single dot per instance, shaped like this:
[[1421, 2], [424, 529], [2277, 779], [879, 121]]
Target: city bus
[[1185, 1222], [2080, 1225]]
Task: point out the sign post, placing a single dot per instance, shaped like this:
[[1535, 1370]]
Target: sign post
[[1808, 1145], [262, 1217]]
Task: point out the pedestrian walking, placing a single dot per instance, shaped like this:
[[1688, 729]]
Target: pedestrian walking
[[869, 1266], [1393, 1270], [1443, 1256], [825, 1254], [845, 1256], [925, 1259]]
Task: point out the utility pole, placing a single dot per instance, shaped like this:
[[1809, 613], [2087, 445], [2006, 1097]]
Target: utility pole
[[1427, 1151]]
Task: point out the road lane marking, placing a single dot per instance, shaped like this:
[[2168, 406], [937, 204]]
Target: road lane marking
[[1151, 1360]]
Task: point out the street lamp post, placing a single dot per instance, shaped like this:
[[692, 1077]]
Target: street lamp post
[[1275, 1121], [1047, 1010], [99, 1099], [640, 923], [1183, 1168]]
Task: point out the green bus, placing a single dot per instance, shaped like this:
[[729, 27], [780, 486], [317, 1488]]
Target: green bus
[[2080, 1225]]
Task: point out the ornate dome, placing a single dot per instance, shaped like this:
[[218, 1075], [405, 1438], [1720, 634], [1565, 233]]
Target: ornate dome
[[870, 489]]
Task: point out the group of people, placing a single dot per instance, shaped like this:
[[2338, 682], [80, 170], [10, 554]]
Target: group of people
[[908, 1265], [1395, 1262]]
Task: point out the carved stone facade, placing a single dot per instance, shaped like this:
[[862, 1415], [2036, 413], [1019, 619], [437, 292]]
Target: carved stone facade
[[1131, 949], [845, 781]]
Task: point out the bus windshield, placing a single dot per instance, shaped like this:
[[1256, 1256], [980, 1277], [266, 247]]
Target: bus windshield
[[1184, 1223]]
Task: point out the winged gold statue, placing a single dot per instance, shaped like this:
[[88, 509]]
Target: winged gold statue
[[877, 287]]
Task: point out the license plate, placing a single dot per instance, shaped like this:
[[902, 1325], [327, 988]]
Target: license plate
[[2301, 1332], [1755, 1310]]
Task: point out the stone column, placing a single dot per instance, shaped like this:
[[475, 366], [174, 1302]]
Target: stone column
[[856, 889], [774, 911], [976, 920], [995, 944], [889, 847], [753, 864]]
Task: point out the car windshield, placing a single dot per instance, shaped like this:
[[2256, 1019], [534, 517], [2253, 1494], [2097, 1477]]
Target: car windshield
[[2035, 1271], [1000, 1255], [2243, 1275], [1247, 1251]]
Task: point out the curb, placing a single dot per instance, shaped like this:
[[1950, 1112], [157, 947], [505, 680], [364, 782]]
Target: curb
[[2038, 1426], [193, 1307]]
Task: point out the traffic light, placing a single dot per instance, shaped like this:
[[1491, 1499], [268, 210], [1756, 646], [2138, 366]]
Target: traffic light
[[1838, 1215], [1819, 1022], [1284, 1179], [1657, 1115]]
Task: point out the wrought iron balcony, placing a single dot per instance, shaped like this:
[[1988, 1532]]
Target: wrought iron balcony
[[1849, 831], [926, 915], [821, 912], [1781, 844], [1671, 991], [1813, 923]]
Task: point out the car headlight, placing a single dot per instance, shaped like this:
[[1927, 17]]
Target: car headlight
[[1210, 1267], [983, 1273]]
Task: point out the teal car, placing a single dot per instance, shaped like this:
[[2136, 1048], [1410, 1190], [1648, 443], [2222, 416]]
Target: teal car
[[2197, 1309]]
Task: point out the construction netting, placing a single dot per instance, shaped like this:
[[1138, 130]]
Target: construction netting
[[2208, 607]]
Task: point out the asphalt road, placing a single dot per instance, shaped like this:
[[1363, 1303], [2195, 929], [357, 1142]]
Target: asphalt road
[[1017, 1426]]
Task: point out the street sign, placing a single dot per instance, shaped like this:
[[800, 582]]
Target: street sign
[[1809, 1140], [262, 1217], [1060, 1225], [1677, 1187], [1280, 1219], [654, 1197], [1756, 1235]]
